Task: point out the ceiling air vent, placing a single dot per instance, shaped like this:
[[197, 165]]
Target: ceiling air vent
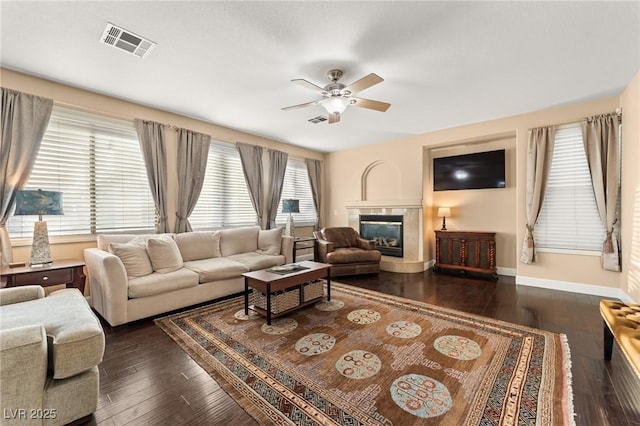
[[318, 119], [126, 40]]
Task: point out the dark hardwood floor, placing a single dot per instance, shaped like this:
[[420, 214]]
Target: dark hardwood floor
[[145, 378]]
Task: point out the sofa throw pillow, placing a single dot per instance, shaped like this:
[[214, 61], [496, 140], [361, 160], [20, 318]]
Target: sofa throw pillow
[[238, 240], [134, 257], [164, 254], [269, 241], [198, 245]]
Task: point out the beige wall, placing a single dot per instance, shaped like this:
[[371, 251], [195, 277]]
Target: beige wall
[[61, 247], [630, 206], [410, 156]]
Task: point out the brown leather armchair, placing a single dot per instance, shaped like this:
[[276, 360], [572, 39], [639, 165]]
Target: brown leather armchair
[[346, 251]]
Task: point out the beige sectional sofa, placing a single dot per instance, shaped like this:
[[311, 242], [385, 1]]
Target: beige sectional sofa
[[138, 276]]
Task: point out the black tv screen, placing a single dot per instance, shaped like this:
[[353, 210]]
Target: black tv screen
[[469, 171]]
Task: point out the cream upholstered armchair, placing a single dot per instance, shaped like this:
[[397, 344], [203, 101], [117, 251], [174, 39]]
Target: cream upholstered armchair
[[50, 348], [346, 251]]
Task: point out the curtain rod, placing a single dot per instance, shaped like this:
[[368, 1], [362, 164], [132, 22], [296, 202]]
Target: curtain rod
[[617, 112]]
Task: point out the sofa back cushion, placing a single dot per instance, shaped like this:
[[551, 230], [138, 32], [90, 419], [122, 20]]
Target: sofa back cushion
[[270, 241], [239, 240], [198, 245], [103, 240], [164, 254], [341, 236]]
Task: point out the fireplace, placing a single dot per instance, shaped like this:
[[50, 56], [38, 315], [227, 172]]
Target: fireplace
[[385, 230]]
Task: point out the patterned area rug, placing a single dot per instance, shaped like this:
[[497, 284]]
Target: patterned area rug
[[367, 358]]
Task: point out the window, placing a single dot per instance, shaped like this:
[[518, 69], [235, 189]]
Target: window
[[224, 200], [296, 185], [569, 218], [95, 161]]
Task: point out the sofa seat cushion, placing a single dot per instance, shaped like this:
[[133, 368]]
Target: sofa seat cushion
[[75, 338], [353, 255], [218, 268], [256, 261], [158, 283]]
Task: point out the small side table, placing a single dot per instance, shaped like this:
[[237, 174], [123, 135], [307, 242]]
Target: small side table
[[302, 240], [69, 272]]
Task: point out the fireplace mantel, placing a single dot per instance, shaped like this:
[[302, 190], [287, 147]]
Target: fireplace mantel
[[400, 204]]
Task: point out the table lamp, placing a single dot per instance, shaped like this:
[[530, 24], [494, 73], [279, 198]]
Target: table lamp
[[31, 203], [444, 213], [290, 206]]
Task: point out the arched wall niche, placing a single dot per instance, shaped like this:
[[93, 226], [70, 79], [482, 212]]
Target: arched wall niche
[[381, 180]]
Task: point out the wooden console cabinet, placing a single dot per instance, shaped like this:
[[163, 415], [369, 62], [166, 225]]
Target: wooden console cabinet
[[466, 252]]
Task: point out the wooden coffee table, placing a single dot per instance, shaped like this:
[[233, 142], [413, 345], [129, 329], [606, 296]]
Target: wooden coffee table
[[269, 282]]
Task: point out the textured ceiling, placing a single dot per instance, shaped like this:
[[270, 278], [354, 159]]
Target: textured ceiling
[[444, 63]]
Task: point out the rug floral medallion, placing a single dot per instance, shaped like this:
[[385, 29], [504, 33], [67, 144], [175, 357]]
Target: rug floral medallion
[[367, 358]]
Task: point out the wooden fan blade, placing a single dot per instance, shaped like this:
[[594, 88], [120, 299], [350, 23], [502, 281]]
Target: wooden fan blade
[[334, 118], [364, 83], [309, 85], [368, 103], [300, 105]]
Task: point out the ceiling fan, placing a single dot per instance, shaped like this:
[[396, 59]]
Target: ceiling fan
[[336, 96]]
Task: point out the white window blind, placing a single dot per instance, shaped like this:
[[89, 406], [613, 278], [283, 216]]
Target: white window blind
[[95, 161], [224, 200], [569, 217], [296, 186]]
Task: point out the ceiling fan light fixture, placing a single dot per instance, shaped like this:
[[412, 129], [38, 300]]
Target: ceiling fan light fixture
[[335, 104]]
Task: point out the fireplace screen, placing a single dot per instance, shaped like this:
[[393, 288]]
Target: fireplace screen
[[385, 230]]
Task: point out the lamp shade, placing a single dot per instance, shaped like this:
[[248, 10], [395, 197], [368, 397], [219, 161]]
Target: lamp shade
[[444, 212], [34, 203], [290, 206]]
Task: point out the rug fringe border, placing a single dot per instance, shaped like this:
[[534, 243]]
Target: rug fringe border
[[570, 415]]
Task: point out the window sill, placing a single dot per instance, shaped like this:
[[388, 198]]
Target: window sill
[[62, 239], [566, 251]]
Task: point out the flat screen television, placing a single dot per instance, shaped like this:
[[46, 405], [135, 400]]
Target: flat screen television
[[469, 171]]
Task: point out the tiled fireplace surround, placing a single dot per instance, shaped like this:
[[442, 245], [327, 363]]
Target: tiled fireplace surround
[[413, 259]]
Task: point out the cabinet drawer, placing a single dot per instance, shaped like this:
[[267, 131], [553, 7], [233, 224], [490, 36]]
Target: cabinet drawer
[[44, 278]]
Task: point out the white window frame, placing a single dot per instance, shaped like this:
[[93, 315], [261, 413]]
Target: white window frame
[[224, 199], [95, 161], [569, 222], [297, 186]]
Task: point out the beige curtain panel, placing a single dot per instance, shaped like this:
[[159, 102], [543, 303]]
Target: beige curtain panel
[[24, 120], [251, 159], [151, 138], [193, 152], [313, 170], [539, 154], [600, 135], [277, 169]]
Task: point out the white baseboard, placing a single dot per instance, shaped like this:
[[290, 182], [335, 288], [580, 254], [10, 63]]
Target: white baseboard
[[594, 290], [510, 272], [429, 264]]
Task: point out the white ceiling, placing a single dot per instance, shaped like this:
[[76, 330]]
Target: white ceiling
[[444, 63]]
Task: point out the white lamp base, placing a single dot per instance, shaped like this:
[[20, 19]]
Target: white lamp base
[[40, 251], [289, 228]]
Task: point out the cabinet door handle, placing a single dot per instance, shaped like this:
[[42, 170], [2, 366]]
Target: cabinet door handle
[[45, 278]]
